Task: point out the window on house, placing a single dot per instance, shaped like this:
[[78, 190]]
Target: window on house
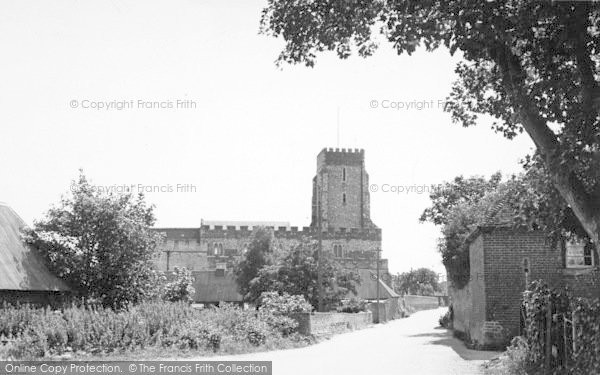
[[579, 255], [344, 198], [187, 242], [218, 249], [338, 251], [220, 269], [344, 174]]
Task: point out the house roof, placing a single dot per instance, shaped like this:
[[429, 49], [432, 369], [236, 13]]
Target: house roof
[[368, 286], [21, 267], [212, 288]]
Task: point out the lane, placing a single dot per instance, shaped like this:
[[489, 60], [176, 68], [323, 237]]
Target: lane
[[407, 346]]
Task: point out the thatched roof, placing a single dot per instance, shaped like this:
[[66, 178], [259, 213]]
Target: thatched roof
[[21, 268]]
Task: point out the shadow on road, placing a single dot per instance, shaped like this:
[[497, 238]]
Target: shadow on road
[[444, 337]]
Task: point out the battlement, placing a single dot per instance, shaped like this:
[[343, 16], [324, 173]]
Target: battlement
[[340, 156], [343, 150], [232, 231]]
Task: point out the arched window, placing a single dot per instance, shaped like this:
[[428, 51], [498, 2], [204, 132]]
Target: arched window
[[220, 253], [338, 251], [343, 198], [344, 174]]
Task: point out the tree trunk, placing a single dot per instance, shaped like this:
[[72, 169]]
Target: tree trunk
[[585, 206]]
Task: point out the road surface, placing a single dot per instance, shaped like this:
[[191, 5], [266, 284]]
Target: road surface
[[410, 346]]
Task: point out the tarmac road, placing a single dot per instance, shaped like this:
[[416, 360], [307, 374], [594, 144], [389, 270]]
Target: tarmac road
[[402, 347]]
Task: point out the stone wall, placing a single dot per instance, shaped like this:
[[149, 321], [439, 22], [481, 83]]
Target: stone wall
[[194, 248], [331, 322]]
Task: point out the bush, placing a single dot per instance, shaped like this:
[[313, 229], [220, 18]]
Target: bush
[[181, 287], [35, 333], [276, 309], [447, 319], [517, 356], [353, 305]]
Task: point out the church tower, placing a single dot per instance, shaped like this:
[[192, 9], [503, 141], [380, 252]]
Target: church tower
[[341, 189]]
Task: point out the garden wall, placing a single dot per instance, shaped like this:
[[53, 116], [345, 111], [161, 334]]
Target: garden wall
[[331, 322], [418, 303]]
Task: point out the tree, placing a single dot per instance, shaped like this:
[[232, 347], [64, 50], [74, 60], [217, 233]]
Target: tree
[[492, 202], [458, 207], [101, 244], [181, 287], [295, 273], [422, 282], [258, 255], [531, 65], [460, 190]]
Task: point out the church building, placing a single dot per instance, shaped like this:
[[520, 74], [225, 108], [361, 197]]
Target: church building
[[341, 195]]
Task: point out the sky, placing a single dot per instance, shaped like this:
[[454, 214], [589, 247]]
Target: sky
[[183, 100]]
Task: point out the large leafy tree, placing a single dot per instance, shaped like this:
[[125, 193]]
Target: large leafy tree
[[450, 194], [100, 243], [259, 254], [531, 65], [296, 273], [421, 281]]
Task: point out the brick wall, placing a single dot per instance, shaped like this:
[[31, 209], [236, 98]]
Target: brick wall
[[505, 251]]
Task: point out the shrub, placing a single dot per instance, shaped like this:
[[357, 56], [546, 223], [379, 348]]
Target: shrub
[[517, 356], [181, 287], [353, 305], [38, 332], [275, 309], [447, 319], [283, 304]]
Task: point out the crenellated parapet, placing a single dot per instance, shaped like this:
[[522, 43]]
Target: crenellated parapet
[[218, 231], [340, 156]]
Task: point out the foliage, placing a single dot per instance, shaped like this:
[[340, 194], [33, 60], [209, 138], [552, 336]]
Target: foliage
[[447, 319], [586, 316], [296, 273], [531, 65], [283, 304], [538, 299], [587, 320], [181, 287], [515, 361], [460, 206], [37, 332], [422, 282], [353, 305], [280, 307], [460, 190], [100, 243], [258, 255]]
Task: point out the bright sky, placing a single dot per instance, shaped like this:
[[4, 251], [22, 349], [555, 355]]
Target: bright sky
[[249, 147]]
